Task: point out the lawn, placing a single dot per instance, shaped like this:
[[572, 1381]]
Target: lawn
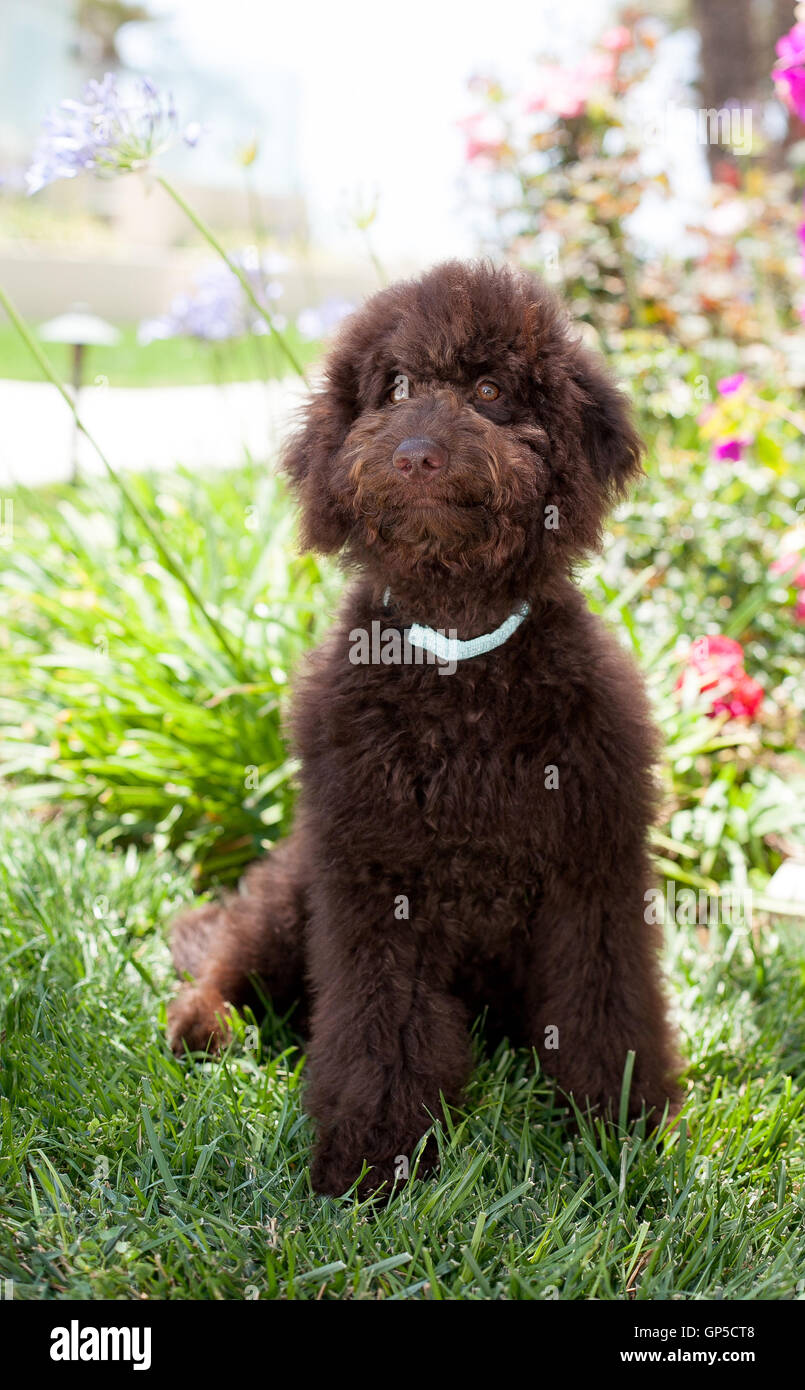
[[166, 362], [126, 1173]]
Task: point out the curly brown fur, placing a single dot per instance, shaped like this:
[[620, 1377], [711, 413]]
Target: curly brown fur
[[436, 790]]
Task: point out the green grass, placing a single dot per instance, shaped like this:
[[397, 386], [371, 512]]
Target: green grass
[[125, 1173], [171, 362]]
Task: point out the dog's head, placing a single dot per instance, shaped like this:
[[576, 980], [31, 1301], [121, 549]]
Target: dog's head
[[462, 430]]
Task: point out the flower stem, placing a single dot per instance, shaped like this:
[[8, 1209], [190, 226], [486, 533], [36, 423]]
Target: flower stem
[[171, 563], [210, 237]]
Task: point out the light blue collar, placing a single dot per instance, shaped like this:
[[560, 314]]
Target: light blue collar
[[453, 648]]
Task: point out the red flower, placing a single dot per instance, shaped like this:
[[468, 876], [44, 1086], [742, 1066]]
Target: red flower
[[744, 700], [718, 666]]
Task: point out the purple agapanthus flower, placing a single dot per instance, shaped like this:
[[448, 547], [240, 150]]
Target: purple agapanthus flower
[[111, 131], [217, 309], [323, 320]]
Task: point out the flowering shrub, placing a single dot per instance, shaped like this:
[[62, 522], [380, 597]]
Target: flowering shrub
[[564, 165], [561, 169]]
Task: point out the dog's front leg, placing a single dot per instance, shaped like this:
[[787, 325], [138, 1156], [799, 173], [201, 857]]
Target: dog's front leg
[[595, 993], [387, 1041]]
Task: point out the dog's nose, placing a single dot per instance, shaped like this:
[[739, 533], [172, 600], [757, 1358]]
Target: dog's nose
[[419, 454]]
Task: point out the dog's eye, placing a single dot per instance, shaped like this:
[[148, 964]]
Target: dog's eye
[[487, 390], [401, 389]]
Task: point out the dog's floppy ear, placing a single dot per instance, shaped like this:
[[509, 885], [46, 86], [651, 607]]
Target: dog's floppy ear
[[610, 441], [308, 460]]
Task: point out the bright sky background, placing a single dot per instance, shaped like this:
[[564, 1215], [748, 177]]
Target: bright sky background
[[380, 90]]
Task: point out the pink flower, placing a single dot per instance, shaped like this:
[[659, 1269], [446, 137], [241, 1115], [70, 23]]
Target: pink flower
[[790, 564], [789, 72], [483, 135], [561, 93], [565, 92], [790, 567], [728, 385], [791, 88], [731, 449], [617, 39], [715, 657], [790, 48], [482, 149], [718, 666]]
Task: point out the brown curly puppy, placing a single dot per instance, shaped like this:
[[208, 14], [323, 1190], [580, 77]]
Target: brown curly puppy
[[472, 830]]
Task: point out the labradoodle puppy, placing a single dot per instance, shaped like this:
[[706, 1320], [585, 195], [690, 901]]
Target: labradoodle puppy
[[476, 748]]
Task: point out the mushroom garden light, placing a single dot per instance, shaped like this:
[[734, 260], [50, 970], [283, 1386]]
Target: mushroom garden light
[[79, 330]]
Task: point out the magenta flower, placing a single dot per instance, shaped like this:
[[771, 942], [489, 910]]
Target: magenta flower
[[790, 48], [731, 449], [789, 72], [728, 385]]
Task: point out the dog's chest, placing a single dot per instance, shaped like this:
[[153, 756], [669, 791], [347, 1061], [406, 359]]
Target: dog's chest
[[453, 763]]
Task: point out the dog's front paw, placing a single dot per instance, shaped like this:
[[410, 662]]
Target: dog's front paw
[[335, 1169], [198, 1021]]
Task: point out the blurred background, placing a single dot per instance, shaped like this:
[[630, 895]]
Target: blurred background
[[352, 147]]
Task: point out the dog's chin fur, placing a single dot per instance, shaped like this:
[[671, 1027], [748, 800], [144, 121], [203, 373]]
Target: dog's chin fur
[[523, 896]]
